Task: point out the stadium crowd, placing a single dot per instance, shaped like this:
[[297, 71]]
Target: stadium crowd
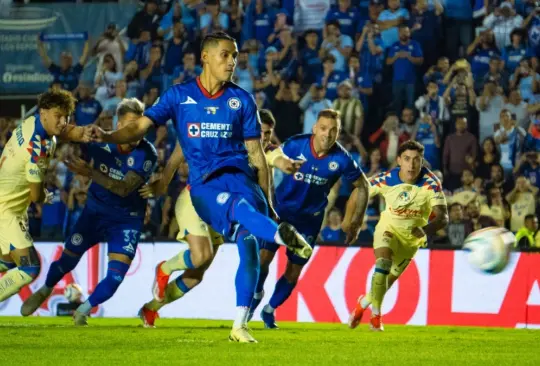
[[464, 83]]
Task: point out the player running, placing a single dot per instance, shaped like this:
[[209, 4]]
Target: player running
[[301, 199], [202, 239], [218, 128], [114, 213], [412, 194], [23, 167]]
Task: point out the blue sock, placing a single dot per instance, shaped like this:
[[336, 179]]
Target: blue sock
[[282, 292], [181, 285], [263, 273], [65, 264], [107, 287], [255, 222], [248, 270]]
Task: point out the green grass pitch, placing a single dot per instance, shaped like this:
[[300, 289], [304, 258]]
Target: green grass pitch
[[54, 341]]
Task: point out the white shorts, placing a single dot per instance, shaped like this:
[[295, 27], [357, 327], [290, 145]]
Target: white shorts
[[14, 233]]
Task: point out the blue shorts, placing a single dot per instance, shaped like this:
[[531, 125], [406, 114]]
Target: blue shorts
[[309, 229], [215, 199], [121, 234]]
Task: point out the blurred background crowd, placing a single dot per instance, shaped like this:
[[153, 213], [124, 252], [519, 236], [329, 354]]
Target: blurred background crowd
[[459, 76]]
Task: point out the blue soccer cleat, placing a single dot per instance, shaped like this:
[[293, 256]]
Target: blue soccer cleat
[[269, 320]]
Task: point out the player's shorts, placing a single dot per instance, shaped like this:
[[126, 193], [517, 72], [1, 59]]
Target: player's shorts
[[14, 233], [190, 223], [403, 250], [309, 229], [215, 199], [121, 234]]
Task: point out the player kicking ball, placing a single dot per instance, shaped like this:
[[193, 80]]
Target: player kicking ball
[[219, 131], [23, 167], [114, 213], [301, 199], [412, 193], [202, 239]]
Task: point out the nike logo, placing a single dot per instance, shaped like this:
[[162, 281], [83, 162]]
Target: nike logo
[[301, 157], [189, 101]]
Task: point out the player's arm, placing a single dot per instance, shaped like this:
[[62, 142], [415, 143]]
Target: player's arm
[[356, 208], [77, 134], [278, 159], [132, 132], [159, 187], [258, 160], [37, 192], [439, 221], [332, 197]]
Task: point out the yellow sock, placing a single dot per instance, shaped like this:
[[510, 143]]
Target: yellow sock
[[366, 301], [12, 282], [176, 263], [172, 293], [379, 284]]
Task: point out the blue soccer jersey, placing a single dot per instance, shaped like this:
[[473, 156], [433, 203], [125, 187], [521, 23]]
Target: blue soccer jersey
[[211, 128]]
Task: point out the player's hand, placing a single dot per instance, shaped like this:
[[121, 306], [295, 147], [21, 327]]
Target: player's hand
[[79, 166], [287, 165], [418, 232], [153, 188], [351, 229], [88, 133], [98, 134]]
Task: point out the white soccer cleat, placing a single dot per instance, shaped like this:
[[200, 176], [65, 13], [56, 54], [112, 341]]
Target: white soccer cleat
[[80, 319], [294, 241], [242, 335]]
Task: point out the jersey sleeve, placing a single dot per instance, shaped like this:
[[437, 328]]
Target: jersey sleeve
[[144, 163], [251, 120], [162, 111], [351, 171], [375, 185], [35, 156], [437, 197], [289, 148], [273, 154]]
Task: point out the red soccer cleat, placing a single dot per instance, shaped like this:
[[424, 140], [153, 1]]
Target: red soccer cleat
[[160, 283], [376, 323], [148, 317], [356, 314]]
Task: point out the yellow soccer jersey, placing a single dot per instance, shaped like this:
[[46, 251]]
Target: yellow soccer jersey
[[407, 205], [25, 160]]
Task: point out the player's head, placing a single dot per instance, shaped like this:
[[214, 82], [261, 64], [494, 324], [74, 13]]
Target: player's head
[[334, 217], [531, 222], [55, 107], [410, 158], [268, 122], [218, 55], [326, 130], [128, 111], [456, 212]]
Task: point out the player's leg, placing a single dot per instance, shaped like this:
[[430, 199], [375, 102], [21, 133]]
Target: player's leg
[[266, 254]]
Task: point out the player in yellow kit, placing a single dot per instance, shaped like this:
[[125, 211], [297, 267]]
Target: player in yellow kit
[[202, 239], [23, 166], [412, 193]]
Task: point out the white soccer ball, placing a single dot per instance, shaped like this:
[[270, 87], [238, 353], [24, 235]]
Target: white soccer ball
[[73, 292], [489, 249]]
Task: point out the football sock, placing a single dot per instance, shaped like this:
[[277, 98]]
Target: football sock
[[379, 284], [65, 264], [107, 287], [263, 273], [268, 309], [6, 266], [179, 262], [15, 279], [247, 274], [282, 292], [242, 313], [366, 301], [256, 223], [175, 290]]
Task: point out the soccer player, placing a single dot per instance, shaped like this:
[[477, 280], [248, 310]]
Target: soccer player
[[412, 194], [23, 166], [202, 240], [218, 128], [114, 213], [301, 199]]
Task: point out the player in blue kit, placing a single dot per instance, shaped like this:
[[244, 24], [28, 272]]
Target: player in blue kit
[[114, 213], [301, 199], [219, 131]]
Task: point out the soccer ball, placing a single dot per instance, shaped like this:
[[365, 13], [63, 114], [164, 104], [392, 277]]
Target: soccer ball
[[489, 249], [73, 292]]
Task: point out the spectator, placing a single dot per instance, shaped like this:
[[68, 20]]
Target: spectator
[[310, 62], [458, 26], [479, 221], [375, 164], [169, 21], [528, 236], [213, 20], [458, 228], [467, 192], [389, 21], [286, 108], [408, 125], [518, 108], [496, 208], [489, 156], [370, 48], [388, 138], [109, 106], [331, 78], [425, 25], [307, 16], [503, 21], [346, 15], [312, 103], [144, 20], [110, 43], [87, 109], [52, 214], [509, 139], [188, 71], [350, 108], [66, 74], [459, 148], [139, 49], [280, 24], [428, 135], [133, 84], [480, 52], [152, 75], [437, 73], [75, 204], [528, 166], [336, 44], [532, 23], [333, 232], [496, 74], [532, 140], [176, 46], [460, 104], [258, 22], [432, 105], [236, 16], [522, 202], [489, 104], [363, 83], [517, 50], [243, 74], [106, 78], [498, 180], [404, 56], [525, 79]]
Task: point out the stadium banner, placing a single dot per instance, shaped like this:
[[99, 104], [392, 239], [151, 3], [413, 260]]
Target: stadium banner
[[438, 288], [65, 27]]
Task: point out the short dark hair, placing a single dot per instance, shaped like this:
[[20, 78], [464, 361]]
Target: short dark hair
[[529, 217], [410, 145], [61, 99], [453, 205], [334, 22], [402, 26], [212, 39], [329, 113], [267, 117]]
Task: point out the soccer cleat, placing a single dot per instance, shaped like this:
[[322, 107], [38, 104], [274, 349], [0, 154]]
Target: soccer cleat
[[160, 283], [376, 324], [242, 335], [295, 242], [148, 317], [254, 303], [269, 320], [80, 319], [33, 302], [356, 314]]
